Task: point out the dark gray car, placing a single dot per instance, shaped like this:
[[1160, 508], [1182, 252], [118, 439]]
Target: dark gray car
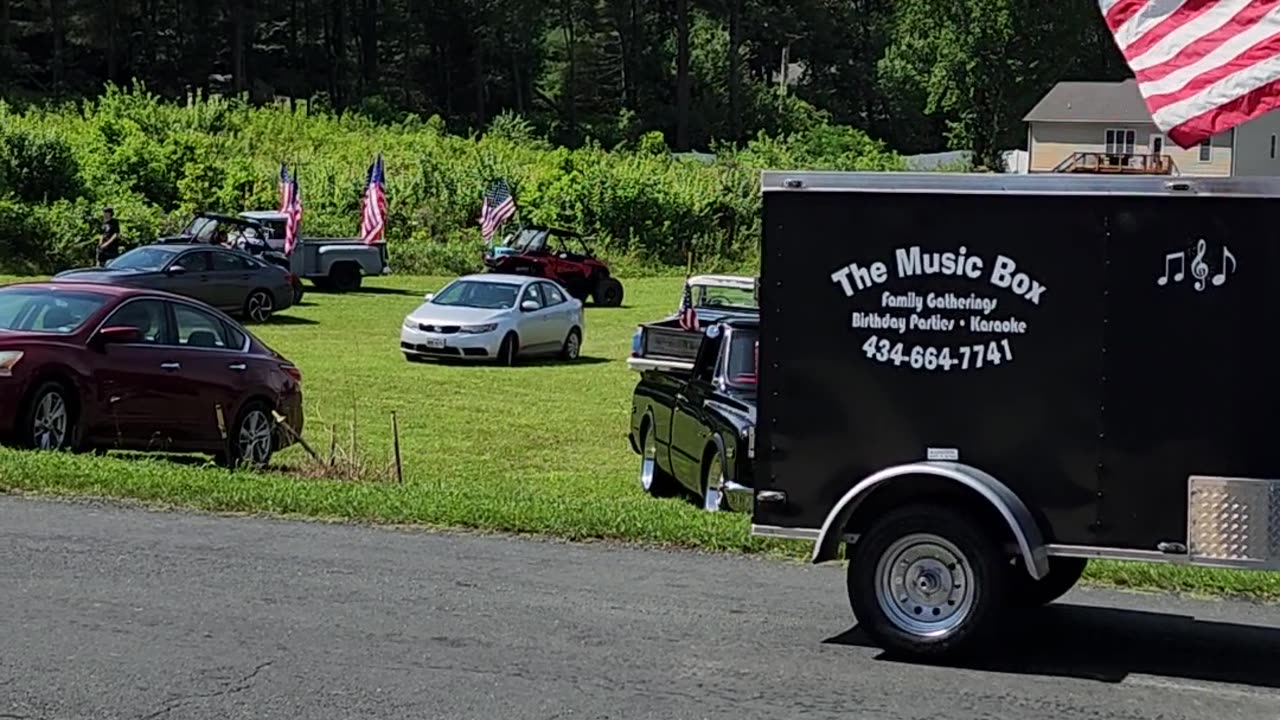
[[230, 280]]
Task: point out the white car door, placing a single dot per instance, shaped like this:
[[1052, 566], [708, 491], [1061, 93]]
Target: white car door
[[559, 310], [534, 332]]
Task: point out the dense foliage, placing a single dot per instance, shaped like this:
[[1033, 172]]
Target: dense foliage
[[919, 74], [156, 161]]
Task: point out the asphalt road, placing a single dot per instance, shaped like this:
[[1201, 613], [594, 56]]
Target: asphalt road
[[110, 612]]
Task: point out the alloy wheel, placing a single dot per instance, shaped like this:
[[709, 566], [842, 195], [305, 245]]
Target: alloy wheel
[[260, 306], [49, 422], [254, 441]]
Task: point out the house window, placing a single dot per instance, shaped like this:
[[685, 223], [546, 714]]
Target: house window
[[1120, 142], [1273, 147], [1206, 150]]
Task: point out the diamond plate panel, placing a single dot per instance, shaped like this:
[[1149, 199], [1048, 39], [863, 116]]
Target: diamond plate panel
[[1234, 521]]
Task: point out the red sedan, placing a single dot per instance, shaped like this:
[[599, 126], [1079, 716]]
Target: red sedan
[[86, 367]]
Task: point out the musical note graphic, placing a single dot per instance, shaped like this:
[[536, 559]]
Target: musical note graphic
[[1181, 257], [1199, 268], [1221, 277]]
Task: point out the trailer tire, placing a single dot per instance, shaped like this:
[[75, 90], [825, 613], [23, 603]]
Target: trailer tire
[[925, 582], [1027, 592]]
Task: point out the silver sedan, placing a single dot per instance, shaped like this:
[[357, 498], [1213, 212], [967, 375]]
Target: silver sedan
[[495, 316]]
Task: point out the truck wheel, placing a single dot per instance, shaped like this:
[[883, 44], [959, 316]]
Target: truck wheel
[[1064, 573], [608, 292], [345, 277], [297, 291], [712, 481], [926, 582], [653, 478]]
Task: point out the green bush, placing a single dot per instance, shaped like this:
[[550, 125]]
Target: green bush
[[157, 161]]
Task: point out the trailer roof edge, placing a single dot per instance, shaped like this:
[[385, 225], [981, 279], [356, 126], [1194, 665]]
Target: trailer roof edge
[[1018, 184]]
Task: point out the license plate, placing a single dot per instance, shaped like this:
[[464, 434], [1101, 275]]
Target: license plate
[[435, 343]]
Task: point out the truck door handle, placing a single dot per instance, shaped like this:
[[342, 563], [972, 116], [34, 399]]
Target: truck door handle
[[236, 366], [171, 366]]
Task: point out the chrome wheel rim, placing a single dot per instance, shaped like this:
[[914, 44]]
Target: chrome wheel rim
[[255, 438], [572, 345], [648, 461], [259, 306], [711, 497], [49, 423], [925, 585]]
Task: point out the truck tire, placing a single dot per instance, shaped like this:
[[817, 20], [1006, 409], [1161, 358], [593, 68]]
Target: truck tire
[[712, 475], [345, 277], [607, 293], [1064, 573], [653, 479], [925, 582]]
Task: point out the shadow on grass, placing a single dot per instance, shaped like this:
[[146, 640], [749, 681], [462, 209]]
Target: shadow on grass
[[288, 320], [520, 363], [372, 291], [1109, 644]]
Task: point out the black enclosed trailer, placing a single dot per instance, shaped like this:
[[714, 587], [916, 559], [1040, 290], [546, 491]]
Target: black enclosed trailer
[[978, 382]]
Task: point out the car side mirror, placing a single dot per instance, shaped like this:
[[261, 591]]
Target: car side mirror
[[529, 305], [119, 334], [428, 296], [175, 270]]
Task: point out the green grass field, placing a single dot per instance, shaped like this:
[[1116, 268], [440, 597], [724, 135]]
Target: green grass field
[[539, 448]]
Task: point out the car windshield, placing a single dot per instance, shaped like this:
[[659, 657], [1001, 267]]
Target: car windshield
[[60, 311], [477, 294], [143, 258], [744, 351], [729, 298], [525, 240], [200, 228]]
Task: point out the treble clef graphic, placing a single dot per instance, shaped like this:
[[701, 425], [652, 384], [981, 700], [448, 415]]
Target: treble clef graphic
[[1199, 268]]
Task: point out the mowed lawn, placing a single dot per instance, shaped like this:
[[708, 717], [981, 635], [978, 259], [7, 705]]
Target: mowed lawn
[[538, 448]]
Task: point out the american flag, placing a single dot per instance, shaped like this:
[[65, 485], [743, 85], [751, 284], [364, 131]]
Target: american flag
[[1202, 66], [497, 208], [286, 187], [373, 216], [293, 216], [688, 315]]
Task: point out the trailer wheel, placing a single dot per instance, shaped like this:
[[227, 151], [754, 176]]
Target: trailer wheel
[[926, 582], [1064, 573]]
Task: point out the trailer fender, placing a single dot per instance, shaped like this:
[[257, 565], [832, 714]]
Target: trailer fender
[[1005, 501]]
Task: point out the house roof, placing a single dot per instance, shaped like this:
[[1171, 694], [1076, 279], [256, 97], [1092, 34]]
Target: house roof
[[1087, 102]]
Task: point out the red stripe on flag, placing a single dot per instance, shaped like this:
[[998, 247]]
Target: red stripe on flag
[[1266, 50], [1246, 107], [1196, 51], [1183, 15]]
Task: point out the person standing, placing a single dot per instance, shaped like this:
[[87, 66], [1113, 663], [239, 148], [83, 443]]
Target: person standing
[[109, 243]]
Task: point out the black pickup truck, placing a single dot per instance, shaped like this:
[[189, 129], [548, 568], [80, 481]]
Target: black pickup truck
[[693, 412]]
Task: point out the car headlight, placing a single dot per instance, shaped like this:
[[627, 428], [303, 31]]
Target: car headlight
[[477, 329], [8, 359], [410, 323]]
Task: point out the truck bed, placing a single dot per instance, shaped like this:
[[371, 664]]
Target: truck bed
[[664, 345]]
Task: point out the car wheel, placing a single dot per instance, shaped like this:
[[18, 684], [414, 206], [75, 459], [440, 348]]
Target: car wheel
[[50, 422], [345, 277], [653, 479], [509, 349], [712, 481], [608, 292], [259, 306], [572, 345], [252, 439], [297, 291], [926, 582], [1027, 592]]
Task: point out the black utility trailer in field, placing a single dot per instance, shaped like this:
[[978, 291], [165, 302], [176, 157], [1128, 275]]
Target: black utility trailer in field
[[979, 382]]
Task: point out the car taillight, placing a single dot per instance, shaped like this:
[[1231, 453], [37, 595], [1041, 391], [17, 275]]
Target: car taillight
[[293, 371]]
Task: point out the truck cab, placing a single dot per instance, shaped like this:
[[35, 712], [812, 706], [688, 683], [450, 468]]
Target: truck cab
[[693, 412]]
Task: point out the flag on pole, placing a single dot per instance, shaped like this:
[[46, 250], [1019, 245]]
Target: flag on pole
[[688, 316], [373, 215], [293, 216], [497, 208], [1202, 66], [286, 187]]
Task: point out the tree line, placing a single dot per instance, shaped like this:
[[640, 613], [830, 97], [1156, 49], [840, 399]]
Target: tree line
[[921, 75]]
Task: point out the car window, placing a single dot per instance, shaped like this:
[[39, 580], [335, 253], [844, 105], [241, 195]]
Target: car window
[[148, 316], [531, 293], [197, 328], [226, 261], [197, 261], [235, 338], [44, 310], [552, 294]]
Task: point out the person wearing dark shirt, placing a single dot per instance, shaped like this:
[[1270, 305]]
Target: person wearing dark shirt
[[109, 244]]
